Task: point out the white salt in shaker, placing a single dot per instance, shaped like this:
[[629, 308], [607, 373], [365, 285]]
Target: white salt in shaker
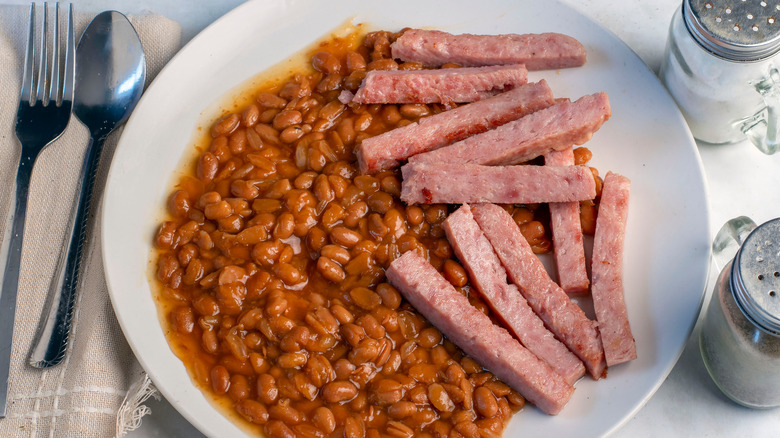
[[721, 65], [740, 336]]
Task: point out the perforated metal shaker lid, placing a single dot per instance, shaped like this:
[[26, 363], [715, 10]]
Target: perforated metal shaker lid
[[756, 277], [738, 30]]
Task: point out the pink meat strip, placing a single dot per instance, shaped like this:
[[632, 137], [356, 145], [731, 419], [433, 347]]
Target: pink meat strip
[[543, 51], [387, 150], [607, 271], [489, 277], [554, 128], [568, 247], [452, 183], [561, 316], [472, 331], [439, 86]]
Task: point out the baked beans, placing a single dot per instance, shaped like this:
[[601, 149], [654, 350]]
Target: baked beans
[[271, 267]]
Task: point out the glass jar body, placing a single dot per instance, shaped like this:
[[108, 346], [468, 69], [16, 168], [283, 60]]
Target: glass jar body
[[718, 97], [743, 360]]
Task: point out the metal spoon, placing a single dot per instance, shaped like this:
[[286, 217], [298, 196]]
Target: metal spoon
[[110, 75]]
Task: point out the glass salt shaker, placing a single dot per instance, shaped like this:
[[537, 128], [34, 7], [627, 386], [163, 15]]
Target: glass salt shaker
[[721, 67], [740, 336]]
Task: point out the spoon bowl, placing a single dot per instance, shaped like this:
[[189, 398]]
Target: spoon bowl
[[110, 75]]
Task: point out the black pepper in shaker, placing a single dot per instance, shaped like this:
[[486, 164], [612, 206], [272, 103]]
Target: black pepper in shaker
[[740, 337]]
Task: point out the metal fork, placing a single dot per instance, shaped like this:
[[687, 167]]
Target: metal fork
[[44, 111]]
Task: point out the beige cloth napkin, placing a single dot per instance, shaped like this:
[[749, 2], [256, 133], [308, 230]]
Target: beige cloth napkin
[[99, 389]]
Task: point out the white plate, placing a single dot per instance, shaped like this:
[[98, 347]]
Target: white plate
[[667, 245]]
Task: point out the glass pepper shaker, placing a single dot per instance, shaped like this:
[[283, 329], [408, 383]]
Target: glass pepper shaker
[[721, 67], [740, 336]]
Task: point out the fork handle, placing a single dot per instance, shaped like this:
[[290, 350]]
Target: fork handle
[[10, 260], [55, 325]]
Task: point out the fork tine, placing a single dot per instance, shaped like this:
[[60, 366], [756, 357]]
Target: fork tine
[[70, 60], [54, 83], [28, 77], [43, 81]]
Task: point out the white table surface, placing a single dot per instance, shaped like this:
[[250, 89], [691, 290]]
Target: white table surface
[[742, 181]]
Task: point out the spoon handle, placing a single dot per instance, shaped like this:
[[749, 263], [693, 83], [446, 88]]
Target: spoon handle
[[54, 327]]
